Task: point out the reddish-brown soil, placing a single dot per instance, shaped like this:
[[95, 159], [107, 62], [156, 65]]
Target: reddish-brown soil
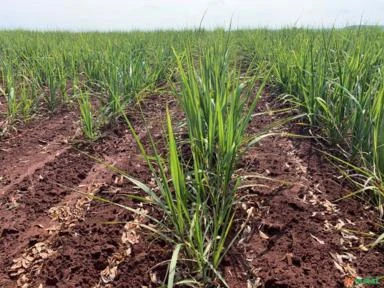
[[34, 145], [54, 235], [292, 237]]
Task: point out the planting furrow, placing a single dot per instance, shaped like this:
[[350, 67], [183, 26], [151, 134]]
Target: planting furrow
[[89, 249], [62, 218], [32, 147], [25, 210], [30, 170], [87, 237]]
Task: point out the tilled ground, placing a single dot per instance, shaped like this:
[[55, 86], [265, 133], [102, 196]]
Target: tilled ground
[[54, 235]]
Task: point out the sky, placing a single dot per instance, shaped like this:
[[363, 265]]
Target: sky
[[107, 15]]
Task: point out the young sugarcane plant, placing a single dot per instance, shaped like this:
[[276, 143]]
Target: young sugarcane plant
[[12, 103], [26, 102], [199, 200], [87, 117]]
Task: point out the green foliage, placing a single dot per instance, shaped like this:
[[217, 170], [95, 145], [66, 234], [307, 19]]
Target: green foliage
[[335, 76], [199, 200], [87, 118], [215, 99]]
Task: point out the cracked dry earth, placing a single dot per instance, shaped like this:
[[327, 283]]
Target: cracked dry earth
[[54, 235]]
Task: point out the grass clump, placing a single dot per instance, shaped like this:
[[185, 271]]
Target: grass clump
[[198, 192], [87, 117]]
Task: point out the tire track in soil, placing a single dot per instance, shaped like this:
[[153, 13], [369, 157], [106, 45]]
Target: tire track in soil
[[24, 213], [64, 217], [71, 242], [88, 247], [34, 145], [35, 161], [92, 248]]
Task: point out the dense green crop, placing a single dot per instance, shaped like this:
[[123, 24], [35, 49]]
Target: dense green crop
[[335, 76]]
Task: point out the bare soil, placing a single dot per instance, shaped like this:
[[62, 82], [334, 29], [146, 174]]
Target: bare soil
[[54, 234]]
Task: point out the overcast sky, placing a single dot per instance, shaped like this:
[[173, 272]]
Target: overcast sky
[[176, 14]]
